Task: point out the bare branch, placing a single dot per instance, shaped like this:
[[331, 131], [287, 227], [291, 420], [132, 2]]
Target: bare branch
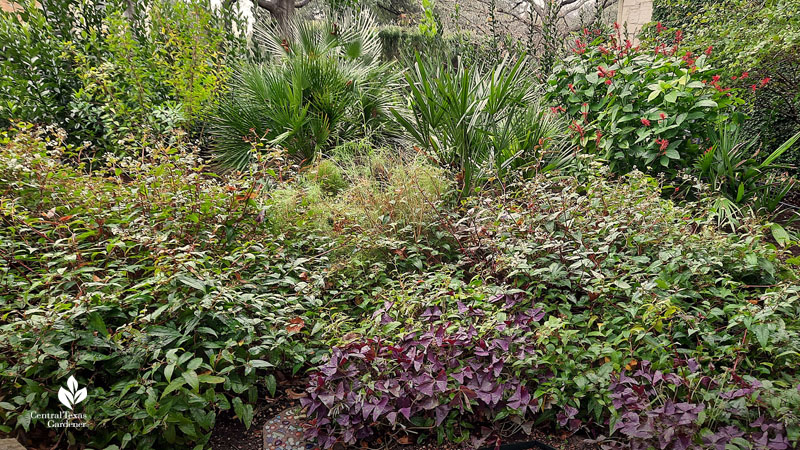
[[269, 5], [301, 3]]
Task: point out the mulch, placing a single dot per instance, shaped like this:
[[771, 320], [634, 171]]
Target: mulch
[[230, 434]]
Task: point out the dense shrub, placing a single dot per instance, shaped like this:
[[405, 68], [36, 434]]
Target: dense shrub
[[112, 73], [751, 41], [138, 287], [326, 85], [679, 13], [635, 108], [403, 43]]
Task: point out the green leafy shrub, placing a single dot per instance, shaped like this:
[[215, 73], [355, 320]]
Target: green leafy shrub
[[403, 43], [679, 13], [326, 85], [625, 276], [751, 41], [645, 109], [145, 281], [115, 73], [481, 125]]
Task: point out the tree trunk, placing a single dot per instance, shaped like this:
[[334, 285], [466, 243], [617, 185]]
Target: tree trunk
[[283, 14]]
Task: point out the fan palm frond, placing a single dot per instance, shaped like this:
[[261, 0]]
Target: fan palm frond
[[324, 85]]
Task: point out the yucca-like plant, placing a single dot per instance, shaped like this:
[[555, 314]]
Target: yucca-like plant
[[482, 124], [732, 167], [323, 85]]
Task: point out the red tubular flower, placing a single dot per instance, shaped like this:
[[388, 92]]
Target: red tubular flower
[[754, 87], [645, 122], [709, 50], [572, 88], [765, 81], [663, 116], [715, 78], [608, 82], [659, 28], [745, 75]]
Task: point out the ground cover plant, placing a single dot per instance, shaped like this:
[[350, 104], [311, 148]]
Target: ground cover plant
[[611, 313], [173, 292], [434, 248]]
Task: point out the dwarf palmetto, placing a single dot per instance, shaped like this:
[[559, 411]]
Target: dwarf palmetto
[[324, 84]]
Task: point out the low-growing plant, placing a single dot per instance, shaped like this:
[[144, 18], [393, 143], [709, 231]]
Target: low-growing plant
[[144, 280], [445, 379], [672, 410], [610, 280]]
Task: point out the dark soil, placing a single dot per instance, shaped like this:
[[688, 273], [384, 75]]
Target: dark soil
[[230, 434]]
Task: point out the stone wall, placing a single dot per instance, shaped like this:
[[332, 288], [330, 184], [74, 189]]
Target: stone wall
[[633, 14], [9, 5]]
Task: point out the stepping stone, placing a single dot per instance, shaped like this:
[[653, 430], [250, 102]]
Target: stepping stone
[[10, 444], [285, 431]]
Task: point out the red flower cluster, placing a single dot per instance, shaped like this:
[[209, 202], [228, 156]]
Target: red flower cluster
[[645, 122], [603, 73], [663, 144], [580, 47], [687, 58], [715, 82], [762, 84], [576, 127]]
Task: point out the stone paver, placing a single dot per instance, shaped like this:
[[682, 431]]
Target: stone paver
[[285, 431], [10, 444]]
